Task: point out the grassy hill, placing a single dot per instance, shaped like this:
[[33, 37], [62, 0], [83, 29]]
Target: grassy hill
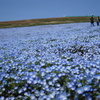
[[44, 21]]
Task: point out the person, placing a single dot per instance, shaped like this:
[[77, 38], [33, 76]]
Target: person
[[98, 20], [92, 20]]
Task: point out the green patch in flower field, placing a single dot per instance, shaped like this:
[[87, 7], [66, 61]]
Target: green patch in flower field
[[47, 65]]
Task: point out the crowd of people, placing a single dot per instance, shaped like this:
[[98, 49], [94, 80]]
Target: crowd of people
[[92, 20]]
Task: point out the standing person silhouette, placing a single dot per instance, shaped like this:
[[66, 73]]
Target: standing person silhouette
[[98, 19], [92, 20]]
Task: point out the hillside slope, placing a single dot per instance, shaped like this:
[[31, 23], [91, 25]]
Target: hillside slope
[[45, 21]]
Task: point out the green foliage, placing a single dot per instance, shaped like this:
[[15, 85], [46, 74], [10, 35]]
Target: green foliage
[[47, 65]]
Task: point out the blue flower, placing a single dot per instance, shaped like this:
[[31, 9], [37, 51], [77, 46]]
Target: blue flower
[[86, 88], [71, 85], [61, 96], [97, 77], [79, 90], [68, 48], [2, 98], [32, 97], [98, 97]]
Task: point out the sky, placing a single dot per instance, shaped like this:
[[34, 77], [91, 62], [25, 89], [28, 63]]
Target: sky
[[33, 9]]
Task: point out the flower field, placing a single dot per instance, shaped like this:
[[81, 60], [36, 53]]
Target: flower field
[[50, 62]]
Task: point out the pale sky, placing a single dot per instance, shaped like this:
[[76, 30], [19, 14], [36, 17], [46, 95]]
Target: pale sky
[[34, 9]]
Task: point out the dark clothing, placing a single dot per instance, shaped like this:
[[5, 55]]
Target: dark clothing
[[97, 23], [92, 21], [98, 20]]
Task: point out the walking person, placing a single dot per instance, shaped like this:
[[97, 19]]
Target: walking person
[[98, 20], [92, 20]]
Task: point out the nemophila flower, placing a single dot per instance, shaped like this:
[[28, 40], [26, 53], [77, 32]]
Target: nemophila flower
[[20, 97], [48, 77], [44, 82], [60, 74], [37, 93], [44, 97], [32, 97], [26, 93], [87, 96], [2, 98], [86, 88], [98, 97], [58, 85], [42, 92], [79, 84], [71, 85], [16, 88], [50, 83], [55, 78], [97, 77], [42, 73], [61, 96], [79, 90], [69, 52], [3, 89], [46, 86], [93, 71], [87, 71], [20, 91], [35, 81], [12, 98]]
